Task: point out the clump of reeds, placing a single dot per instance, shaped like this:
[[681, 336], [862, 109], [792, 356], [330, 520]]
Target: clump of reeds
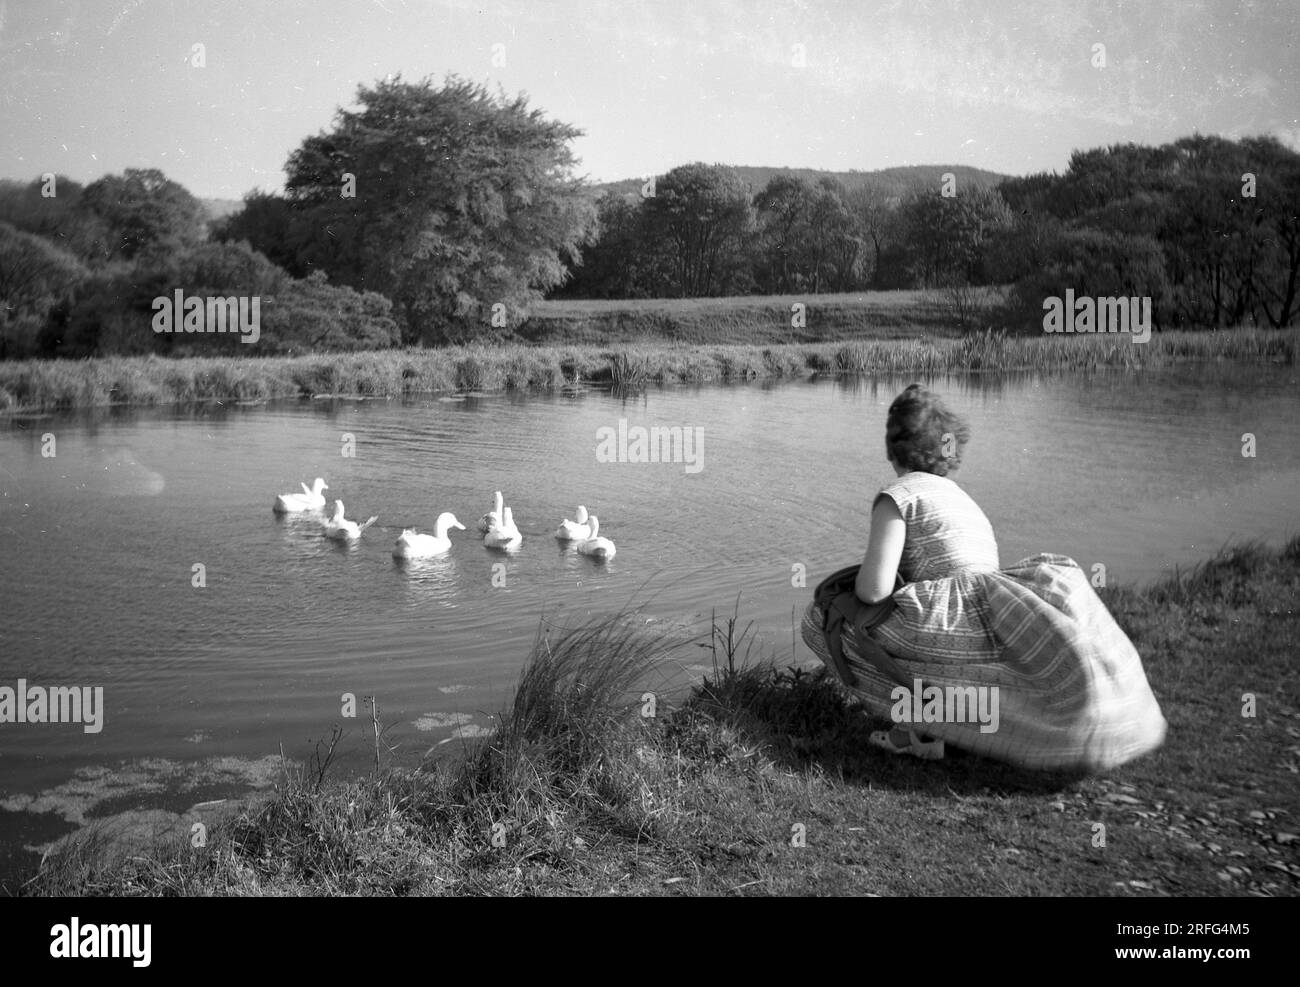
[[983, 350], [567, 744], [627, 369]]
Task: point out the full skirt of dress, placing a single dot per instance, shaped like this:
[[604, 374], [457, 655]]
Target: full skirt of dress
[[1071, 690]]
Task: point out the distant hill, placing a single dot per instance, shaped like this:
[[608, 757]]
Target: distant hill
[[895, 181]]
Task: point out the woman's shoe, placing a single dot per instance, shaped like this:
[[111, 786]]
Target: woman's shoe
[[931, 750]]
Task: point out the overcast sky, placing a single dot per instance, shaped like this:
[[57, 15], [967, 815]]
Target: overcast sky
[[97, 86]]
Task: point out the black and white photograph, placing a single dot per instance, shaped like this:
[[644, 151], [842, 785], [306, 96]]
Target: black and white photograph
[[662, 449]]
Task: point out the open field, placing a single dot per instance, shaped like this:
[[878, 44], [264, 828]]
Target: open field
[[579, 792], [45, 385], [760, 320]]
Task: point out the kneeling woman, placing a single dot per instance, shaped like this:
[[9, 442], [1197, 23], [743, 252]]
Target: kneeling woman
[[1065, 686]]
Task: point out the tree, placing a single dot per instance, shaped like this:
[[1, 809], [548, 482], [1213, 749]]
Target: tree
[[835, 247], [114, 312], [875, 213], [1223, 215], [266, 224], [783, 208], [143, 210], [312, 316], [35, 275], [703, 211], [625, 259], [59, 217], [1277, 229], [946, 236], [808, 237], [1096, 263], [462, 202]]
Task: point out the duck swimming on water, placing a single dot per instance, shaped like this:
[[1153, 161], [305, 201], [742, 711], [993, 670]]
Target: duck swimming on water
[[505, 534], [311, 499], [574, 530], [341, 529], [413, 545], [595, 546]]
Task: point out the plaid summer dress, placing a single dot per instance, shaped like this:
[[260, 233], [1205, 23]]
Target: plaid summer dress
[[1071, 690]]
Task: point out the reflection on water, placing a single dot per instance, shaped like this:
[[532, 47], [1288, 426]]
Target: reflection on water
[[429, 580]]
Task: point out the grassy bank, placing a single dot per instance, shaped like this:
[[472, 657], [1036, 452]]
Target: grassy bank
[[745, 321], [580, 792], [44, 385]]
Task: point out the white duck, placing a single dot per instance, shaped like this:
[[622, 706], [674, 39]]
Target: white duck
[[595, 546], [413, 545], [493, 517], [341, 529], [311, 499], [505, 534], [574, 530]]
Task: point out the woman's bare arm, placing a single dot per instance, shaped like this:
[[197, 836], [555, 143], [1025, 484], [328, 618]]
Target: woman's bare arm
[[876, 578]]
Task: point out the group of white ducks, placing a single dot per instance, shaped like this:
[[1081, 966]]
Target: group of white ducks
[[497, 527]]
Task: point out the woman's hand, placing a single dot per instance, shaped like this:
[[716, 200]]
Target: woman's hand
[[876, 578]]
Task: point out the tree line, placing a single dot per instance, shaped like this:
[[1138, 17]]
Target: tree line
[[80, 267], [434, 215], [428, 215], [1207, 227]]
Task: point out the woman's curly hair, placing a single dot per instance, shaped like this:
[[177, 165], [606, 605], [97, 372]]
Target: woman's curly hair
[[922, 435]]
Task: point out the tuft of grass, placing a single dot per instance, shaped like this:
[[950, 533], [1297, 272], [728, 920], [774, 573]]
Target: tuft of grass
[[472, 373], [566, 746], [629, 369], [1227, 578]]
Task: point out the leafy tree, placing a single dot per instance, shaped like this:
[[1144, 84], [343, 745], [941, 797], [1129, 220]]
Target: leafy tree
[[114, 313], [1029, 193], [60, 217], [703, 213], [1022, 247], [1227, 257], [1275, 263], [808, 238], [876, 214], [624, 259], [783, 208], [1097, 263], [143, 210], [312, 316], [110, 315], [266, 224], [35, 276], [463, 201], [834, 242], [946, 236]]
